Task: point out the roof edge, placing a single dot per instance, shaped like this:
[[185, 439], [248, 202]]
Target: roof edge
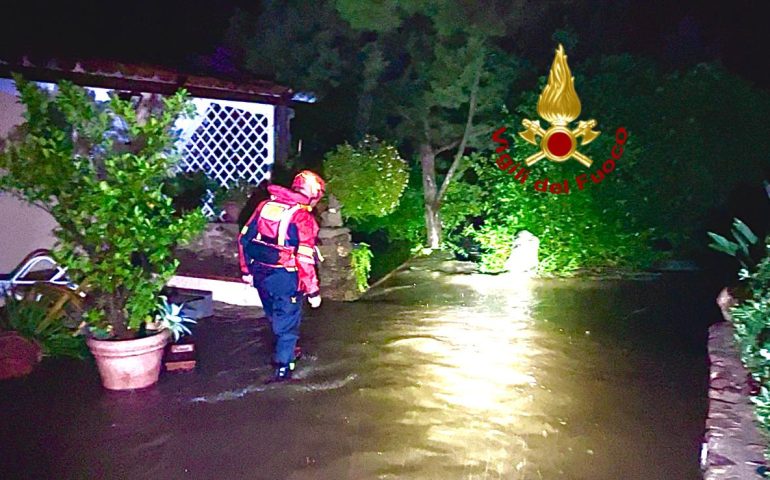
[[149, 79]]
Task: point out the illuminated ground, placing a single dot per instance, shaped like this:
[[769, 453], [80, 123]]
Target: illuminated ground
[[434, 376]]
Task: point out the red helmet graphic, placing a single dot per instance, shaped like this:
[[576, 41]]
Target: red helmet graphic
[[310, 184]]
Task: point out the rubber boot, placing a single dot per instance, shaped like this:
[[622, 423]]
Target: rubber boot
[[281, 374], [293, 362]]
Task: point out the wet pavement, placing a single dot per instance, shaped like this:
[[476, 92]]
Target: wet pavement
[[431, 376]]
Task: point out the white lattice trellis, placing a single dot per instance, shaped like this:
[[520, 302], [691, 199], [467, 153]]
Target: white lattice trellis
[[228, 141]]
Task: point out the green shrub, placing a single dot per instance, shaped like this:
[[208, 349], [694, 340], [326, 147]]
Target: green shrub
[[99, 170], [39, 315], [361, 262], [683, 128], [576, 231], [406, 222], [671, 178], [751, 318], [368, 179]]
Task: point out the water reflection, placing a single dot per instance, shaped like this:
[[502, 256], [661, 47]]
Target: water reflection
[[473, 387]]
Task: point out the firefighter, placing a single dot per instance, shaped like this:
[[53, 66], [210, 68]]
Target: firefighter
[[277, 252]]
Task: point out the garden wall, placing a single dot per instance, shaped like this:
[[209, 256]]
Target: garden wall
[[733, 445]]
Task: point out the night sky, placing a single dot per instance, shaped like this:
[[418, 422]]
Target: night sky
[[161, 32], [176, 33]]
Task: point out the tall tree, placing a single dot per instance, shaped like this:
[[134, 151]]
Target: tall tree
[[427, 74], [444, 83]]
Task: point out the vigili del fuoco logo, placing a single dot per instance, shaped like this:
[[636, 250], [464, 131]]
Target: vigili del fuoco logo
[[559, 105]]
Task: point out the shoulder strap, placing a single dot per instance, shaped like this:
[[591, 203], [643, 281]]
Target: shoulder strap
[[283, 226]]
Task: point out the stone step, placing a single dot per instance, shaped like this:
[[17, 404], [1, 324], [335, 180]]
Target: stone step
[[223, 289]]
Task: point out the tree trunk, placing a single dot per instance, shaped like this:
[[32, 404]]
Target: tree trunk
[[363, 115], [115, 312], [430, 192], [433, 225]]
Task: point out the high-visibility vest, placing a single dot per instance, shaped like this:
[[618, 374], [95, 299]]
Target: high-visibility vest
[[273, 233]]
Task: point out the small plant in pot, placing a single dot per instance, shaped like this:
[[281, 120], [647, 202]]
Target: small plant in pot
[[99, 170], [233, 198], [171, 318]]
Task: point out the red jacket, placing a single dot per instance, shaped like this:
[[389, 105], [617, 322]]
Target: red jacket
[[281, 233]]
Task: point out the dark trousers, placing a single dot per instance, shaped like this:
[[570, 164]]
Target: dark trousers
[[282, 303]]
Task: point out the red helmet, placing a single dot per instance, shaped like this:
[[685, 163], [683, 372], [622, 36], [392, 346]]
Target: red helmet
[[309, 184]]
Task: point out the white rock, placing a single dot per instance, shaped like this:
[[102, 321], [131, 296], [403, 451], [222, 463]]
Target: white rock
[[524, 254]]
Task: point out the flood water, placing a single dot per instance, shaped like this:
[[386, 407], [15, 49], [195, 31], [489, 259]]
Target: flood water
[[432, 376]]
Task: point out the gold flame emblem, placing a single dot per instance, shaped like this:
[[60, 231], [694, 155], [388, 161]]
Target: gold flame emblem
[[559, 105]]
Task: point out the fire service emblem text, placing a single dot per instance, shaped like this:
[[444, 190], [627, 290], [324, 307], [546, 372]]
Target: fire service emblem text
[[559, 105]]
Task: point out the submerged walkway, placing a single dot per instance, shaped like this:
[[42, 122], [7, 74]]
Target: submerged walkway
[[432, 376]]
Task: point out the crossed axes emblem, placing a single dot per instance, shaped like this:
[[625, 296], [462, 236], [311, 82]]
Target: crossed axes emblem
[[559, 143]]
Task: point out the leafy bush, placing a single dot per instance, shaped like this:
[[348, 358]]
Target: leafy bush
[[683, 127], [38, 313], [406, 222], [751, 318], [576, 230], [99, 170], [361, 262], [368, 179]]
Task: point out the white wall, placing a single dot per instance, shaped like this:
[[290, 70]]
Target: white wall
[[23, 228]]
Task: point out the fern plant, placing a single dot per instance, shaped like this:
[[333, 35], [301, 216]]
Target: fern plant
[[741, 247], [40, 314], [361, 262]]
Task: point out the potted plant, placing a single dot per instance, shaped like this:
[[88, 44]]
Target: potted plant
[[99, 170], [234, 197]]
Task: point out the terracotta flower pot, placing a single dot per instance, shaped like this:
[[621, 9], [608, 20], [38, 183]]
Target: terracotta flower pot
[[18, 355], [232, 211], [129, 364]]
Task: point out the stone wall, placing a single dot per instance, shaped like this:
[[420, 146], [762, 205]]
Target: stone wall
[[219, 239], [335, 273], [733, 445]]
